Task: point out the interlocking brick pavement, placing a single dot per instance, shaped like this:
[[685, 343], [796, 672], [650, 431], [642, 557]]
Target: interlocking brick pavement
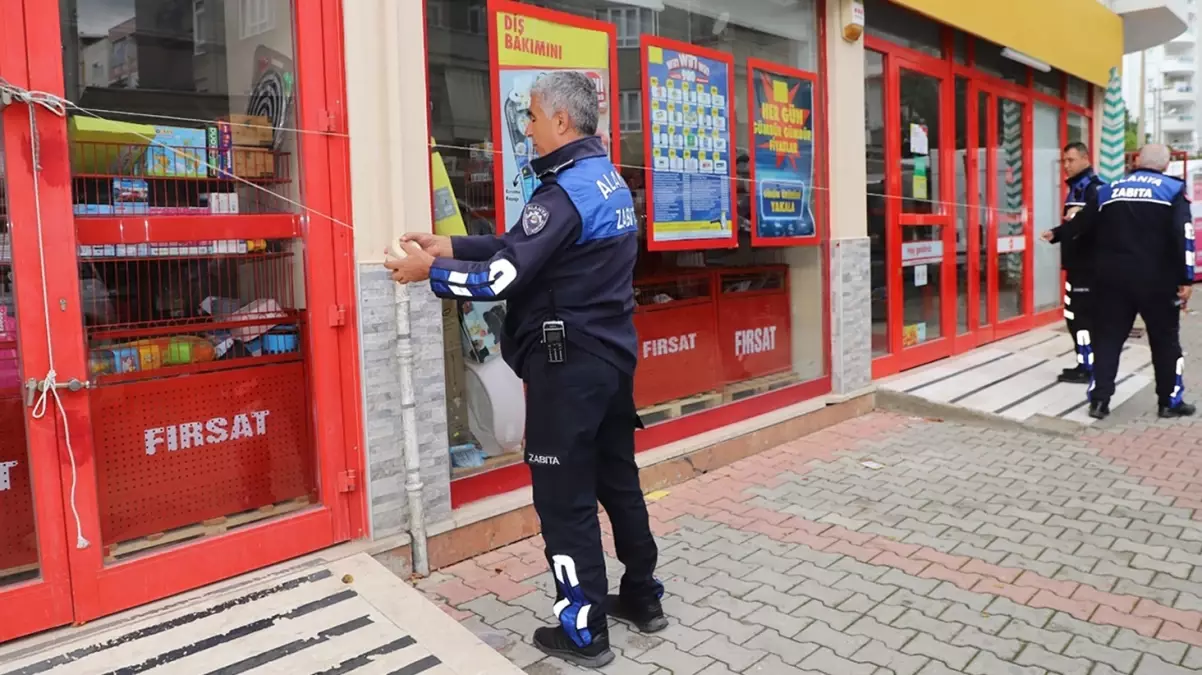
[[972, 550]]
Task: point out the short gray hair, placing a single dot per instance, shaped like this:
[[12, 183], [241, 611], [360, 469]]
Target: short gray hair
[[1154, 156], [569, 92]]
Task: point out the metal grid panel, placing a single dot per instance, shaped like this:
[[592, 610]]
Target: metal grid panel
[[177, 451]]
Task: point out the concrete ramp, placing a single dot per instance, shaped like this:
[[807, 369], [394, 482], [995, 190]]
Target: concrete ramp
[[350, 616], [1015, 380]]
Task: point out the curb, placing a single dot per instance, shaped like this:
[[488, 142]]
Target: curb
[[915, 405]]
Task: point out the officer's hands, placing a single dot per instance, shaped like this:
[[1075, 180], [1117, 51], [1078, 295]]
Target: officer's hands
[[414, 267], [434, 244], [1048, 235], [1184, 293]]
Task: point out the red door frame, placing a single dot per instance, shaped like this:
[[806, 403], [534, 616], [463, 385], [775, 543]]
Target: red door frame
[[94, 589], [46, 601], [896, 59], [949, 68], [998, 329]]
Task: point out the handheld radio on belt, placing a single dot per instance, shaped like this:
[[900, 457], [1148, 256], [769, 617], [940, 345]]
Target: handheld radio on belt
[[554, 338]]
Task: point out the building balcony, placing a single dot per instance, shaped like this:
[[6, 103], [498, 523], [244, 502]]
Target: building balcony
[[1180, 94], [1148, 23], [1178, 65], [1178, 124]]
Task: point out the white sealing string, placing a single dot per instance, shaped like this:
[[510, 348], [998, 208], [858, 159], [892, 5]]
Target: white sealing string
[[49, 384]]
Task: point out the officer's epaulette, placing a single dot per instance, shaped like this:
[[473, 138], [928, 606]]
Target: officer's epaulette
[[556, 169]]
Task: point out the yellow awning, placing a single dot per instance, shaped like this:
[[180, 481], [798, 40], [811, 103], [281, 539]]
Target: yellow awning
[[1081, 37]]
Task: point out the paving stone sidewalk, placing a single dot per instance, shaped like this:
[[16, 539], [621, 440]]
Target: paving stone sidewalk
[[969, 550]]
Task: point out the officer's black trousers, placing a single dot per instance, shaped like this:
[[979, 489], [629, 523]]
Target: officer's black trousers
[[580, 422], [1078, 313], [1116, 310]]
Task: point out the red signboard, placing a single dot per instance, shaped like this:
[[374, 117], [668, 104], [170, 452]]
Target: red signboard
[[678, 351], [178, 451], [754, 324]]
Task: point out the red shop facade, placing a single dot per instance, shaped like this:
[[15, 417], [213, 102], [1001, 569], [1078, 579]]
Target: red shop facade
[[185, 275], [963, 174], [733, 322]]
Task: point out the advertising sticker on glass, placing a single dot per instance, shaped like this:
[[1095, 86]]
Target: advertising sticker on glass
[[782, 159], [690, 187], [526, 42]]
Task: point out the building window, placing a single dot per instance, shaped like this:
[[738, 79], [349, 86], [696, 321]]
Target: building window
[[258, 17], [477, 19], [200, 30], [631, 108], [631, 23]]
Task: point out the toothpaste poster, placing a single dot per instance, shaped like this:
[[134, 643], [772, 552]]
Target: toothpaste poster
[[687, 91], [527, 42], [782, 158]]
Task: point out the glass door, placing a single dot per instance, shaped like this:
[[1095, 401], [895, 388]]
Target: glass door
[[34, 573], [924, 305], [1009, 207], [198, 430], [999, 192]]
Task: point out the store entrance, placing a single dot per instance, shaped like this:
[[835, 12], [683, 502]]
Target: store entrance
[[920, 286], [197, 428]]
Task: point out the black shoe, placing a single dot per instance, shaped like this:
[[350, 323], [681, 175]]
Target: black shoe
[[553, 641], [1070, 371], [1099, 410], [1179, 410], [1075, 376], [647, 616]]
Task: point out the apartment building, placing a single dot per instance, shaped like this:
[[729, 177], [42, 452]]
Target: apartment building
[[1165, 81]]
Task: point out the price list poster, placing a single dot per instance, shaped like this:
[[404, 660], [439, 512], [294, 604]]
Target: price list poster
[[782, 159], [688, 145]]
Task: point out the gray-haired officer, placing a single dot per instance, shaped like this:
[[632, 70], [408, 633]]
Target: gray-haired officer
[[1142, 236], [567, 271]]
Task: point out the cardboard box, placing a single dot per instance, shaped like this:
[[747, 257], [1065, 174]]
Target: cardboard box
[[236, 160], [252, 131]]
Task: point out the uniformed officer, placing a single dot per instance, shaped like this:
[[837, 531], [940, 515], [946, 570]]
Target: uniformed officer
[[1142, 237], [1077, 263], [567, 271]]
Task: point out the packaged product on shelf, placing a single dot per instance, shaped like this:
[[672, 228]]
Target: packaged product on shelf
[[131, 196], [102, 147], [281, 340], [177, 151], [93, 209], [219, 203], [249, 130], [239, 161], [178, 211]]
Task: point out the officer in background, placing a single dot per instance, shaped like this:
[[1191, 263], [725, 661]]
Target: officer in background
[[1077, 263], [567, 271], [1142, 237]]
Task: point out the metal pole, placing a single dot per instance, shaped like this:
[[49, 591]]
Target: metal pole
[[1140, 138]]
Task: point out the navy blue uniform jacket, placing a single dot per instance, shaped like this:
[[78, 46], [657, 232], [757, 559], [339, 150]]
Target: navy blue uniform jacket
[[571, 257], [1140, 233], [1074, 257]]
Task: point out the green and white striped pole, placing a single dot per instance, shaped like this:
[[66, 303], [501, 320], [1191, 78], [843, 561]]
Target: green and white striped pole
[[1112, 153]]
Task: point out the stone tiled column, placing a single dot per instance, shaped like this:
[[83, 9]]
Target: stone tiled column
[[390, 160], [851, 307]]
